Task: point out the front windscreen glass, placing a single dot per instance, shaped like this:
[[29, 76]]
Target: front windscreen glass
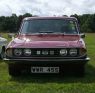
[[49, 26]]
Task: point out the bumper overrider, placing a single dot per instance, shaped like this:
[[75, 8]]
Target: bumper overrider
[[47, 60]]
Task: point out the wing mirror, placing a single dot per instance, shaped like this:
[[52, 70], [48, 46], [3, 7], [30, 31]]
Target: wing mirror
[[82, 35]]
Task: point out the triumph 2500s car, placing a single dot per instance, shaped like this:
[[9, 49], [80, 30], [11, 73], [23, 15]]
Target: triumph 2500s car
[[47, 45]]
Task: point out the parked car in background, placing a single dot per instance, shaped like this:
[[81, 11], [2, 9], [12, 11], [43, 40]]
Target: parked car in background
[[47, 45], [3, 44], [10, 35]]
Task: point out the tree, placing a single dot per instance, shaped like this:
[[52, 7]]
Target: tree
[[12, 23]]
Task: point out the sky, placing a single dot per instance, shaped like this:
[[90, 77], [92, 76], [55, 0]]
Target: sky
[[47, 7]]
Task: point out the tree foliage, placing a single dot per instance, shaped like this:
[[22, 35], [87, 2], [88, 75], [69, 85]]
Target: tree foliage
[[87, 22], [12, 23]]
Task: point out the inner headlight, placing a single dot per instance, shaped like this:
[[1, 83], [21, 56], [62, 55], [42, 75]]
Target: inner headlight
[[17, 52], [73, 52], [63, 52], [27, 52]]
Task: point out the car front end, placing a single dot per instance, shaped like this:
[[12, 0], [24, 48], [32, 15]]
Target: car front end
[[47, 50]]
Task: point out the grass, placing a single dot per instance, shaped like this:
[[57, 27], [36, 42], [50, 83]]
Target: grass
[[48, 84]]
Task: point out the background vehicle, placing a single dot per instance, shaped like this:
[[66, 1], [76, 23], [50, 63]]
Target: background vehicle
[[3, 44], [47, 45]]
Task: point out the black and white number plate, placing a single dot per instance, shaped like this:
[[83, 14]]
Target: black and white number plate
[[44, 69]]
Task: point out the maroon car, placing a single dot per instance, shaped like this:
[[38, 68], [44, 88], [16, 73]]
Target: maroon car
[[47, 45]]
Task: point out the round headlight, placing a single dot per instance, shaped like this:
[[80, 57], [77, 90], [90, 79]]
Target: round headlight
[[27, 52], [17, 52], [73, 52], [63, 52]]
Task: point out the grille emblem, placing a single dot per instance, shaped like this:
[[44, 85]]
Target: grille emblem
[[45, 52], [38, 52], [51, 52]]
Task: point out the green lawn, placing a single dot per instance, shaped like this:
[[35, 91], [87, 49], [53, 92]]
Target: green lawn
[[48, 84]]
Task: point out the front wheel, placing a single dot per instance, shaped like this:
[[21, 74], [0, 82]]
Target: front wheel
[[74, 69], [14, 70], [80, 70]]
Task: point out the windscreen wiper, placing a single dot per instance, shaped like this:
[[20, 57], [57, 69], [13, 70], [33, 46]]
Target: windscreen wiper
[[45, 32], [59, 33]]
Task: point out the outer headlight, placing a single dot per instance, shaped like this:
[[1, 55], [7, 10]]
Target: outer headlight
[[63, 52], [73, 52], [27, 52], [17, 52]]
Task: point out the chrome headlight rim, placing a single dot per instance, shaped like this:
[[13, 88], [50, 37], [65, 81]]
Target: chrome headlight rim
[[27, 52], [17, 52], [73, 52], [63, 52]]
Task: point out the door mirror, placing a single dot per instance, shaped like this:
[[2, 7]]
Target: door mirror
[[82, 35]]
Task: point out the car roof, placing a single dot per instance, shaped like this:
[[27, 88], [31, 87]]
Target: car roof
[[63, 17]]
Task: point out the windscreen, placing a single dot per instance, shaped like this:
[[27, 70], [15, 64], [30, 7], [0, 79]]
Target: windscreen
[[49, 26]]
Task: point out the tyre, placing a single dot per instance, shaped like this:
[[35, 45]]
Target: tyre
[[77, 70], [14, 70], [80, 70]]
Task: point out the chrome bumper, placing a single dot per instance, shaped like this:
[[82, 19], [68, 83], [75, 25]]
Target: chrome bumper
[[86, 59], [48, 60]]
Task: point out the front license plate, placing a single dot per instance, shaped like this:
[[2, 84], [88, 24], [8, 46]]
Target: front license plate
[[45, 69]]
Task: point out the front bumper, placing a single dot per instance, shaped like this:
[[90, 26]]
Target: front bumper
[[47, 61]]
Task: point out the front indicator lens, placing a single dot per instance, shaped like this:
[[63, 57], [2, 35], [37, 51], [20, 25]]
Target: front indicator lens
[[27, 52], [82, 51], [9, 52], [17, 52], [63, 52], [73, 52]]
